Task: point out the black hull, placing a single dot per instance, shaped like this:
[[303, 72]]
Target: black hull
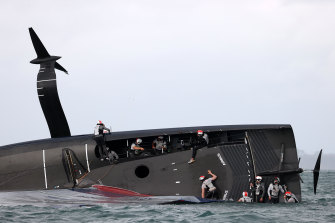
[[236, 164]]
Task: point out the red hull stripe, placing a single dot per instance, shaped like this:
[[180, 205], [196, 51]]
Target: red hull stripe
[[119, 191]]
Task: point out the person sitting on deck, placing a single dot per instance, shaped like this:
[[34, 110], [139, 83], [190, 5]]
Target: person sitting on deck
[[197, 143], [136, 146], [159, 144], [99, 136], [208, 190], [245, 198]]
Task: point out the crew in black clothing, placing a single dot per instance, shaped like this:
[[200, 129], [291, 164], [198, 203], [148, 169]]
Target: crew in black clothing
[[258, 190], [201, 140], [99, 132]]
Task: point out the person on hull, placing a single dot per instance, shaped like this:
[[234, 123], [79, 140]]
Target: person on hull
[[136, 146], [245, 198], [274, 190], [208, 190], [289, 197], [159, 145], [258, 189], [99, 136], [197, 143]]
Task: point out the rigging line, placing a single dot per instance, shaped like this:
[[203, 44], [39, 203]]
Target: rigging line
[[251, 153], [87, 173], [107, 172]]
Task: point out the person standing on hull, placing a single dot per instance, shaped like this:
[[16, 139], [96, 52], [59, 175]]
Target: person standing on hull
[[290, 198], [99, 136], [274, 190], [208, 190], [136, 146], [197, 143], [258, 189]]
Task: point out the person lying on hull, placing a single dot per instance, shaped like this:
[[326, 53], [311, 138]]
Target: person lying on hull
[[208, 190], [136, 146], [258, 189], [198, 142], [159, 145], [99, 136]]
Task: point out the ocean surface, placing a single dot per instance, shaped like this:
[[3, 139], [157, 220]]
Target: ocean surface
[[72, 206]]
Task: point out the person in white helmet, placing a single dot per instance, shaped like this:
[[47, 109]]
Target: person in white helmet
[[136, 146], [197, 143], [245, 198], [258, 189], [208, 190], [99, 135], [274, 190]]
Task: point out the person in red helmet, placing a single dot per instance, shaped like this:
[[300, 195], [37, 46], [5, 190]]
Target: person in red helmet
[[289, 197], [99, 135], [201, 140], [245, 198]]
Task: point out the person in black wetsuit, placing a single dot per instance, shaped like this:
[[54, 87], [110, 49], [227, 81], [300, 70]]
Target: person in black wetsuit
[[258, 190], [201, 140], [99, 137]]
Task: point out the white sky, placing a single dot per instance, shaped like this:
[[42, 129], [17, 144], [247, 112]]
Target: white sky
[[159, 64]]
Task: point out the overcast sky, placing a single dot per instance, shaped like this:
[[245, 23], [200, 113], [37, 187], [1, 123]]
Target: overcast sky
[[159, 64]]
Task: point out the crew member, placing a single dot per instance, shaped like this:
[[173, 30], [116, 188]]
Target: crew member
[[159, 144], [196, 143], [258, 189], [136, 146], [245, 198], [274, 190], [290, 198], [113, 157], [99, 135], [208, 190]]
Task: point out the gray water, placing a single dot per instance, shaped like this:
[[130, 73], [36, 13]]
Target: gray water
[[71, 206]]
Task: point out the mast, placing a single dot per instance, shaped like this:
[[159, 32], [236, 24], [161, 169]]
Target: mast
[[47, 89]]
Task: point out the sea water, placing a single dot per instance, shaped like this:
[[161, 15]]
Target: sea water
[[70, 206]]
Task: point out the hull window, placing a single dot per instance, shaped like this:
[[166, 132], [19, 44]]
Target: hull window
[[142, 171]]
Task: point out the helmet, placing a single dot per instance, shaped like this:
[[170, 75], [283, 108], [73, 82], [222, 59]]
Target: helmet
[[138, 141], [276, 179], [245, 194], [160, 137], [200, 132], [100, 123], [259, 178], [288, 194], [201, 178]]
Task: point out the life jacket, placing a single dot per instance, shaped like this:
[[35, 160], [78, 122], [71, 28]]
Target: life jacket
[[259, 189]]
